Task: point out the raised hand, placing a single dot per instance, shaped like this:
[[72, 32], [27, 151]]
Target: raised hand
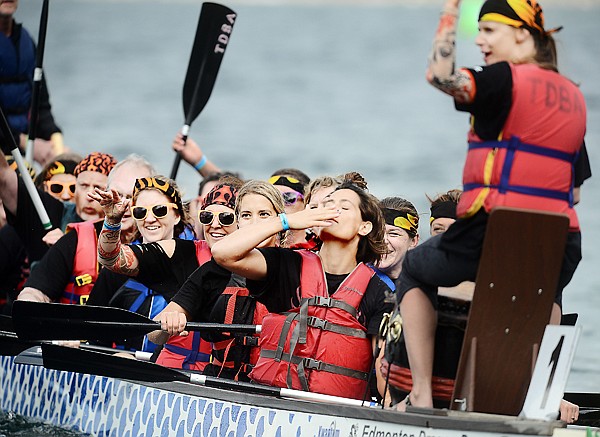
[[111, 202], [321, 216]]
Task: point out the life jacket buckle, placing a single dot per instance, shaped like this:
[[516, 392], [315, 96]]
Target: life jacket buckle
[[311, 363], [315, 322], [323, 301], [82, 280], [250, 341]]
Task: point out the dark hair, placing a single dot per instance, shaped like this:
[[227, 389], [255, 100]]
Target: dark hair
[[213, 177], [449, 196], [372, 246], [545, 51]]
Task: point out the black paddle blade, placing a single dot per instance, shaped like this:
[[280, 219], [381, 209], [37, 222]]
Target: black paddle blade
[[53, 321], [212, 36], [96, 363], [6, 323], [11, 345]]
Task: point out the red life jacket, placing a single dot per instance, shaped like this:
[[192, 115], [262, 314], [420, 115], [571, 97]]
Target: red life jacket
[[321, 346], [85, 264], [189, 352], [531, 165], [237, 353]]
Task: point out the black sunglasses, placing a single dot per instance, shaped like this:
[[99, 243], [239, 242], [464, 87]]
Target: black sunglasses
[[207, 217], [158, 211]]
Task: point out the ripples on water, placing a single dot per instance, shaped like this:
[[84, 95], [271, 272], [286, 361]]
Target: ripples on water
[[323, 88]]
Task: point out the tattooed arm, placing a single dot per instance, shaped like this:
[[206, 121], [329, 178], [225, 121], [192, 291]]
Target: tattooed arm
[[441, 68], [111, 253]]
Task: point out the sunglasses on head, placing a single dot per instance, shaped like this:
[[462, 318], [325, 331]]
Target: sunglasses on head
[[159, 211], [207, 217], [291, 197], [60, 187]]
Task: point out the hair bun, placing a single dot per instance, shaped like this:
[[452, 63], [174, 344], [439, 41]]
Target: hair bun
[[355, 178]]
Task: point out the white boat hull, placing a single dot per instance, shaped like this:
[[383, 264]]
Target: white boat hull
[[111, 407]]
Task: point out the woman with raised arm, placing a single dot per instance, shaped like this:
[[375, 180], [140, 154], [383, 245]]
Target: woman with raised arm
[[333, 302], [170, 261], [214, 294], [527, 129]]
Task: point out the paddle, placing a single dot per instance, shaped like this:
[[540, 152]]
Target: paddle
[[212, 35], [33, 192], [38, 74], [77, 360], [53, 321]]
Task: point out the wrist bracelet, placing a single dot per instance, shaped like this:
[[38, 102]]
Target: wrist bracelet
[[110, 227], [201, 163], [284, 221]]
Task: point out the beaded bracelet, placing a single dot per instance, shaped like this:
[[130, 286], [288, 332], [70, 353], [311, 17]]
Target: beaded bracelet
[[284, 221], [201, 163], [110, 227]]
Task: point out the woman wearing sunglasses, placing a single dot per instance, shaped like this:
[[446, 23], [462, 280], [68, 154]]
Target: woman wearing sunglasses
[[57, 178], [167, 262], [330, 304], [213, 294], [291, 183]]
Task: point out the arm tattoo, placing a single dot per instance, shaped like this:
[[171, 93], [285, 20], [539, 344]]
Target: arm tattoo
[[115, 256], [441, 70]]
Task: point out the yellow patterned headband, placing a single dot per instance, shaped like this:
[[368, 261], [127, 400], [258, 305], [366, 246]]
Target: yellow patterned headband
[[158, 183], [515, 13], [402, 219]]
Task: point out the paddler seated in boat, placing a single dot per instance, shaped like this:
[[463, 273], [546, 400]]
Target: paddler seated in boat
[[518, 52], [401, 235], [69, 270], [91, 172], [160, 222], [452, 313], [292, 184], [214, 294], [325, 308], [171, 261]]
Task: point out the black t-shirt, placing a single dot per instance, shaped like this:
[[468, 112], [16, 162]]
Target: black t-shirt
[[27, 223], [279, 291], [13, 262], [492, 105], [202, 289], [161, 273], [53, 272]]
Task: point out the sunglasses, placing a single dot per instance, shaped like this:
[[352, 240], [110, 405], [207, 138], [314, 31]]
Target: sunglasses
[[59, 188], [158, 211], [291, 197], [207, 217]]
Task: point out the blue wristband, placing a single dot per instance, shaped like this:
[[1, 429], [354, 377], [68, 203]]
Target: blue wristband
[[112, 227], [201, 163], [284, 222]]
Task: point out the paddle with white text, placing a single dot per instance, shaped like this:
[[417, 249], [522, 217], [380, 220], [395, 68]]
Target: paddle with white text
[[212, 36], [54, 321]]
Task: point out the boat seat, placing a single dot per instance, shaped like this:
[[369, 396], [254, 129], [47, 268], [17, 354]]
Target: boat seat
[[512, 302]]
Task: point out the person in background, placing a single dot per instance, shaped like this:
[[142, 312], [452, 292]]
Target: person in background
[[292, 183], [521, 154], [57, 178], [213, 294], [68, 271], [334, 285], [193, 155], [92, 172], [166, 264], [17, 58], [443, 211]]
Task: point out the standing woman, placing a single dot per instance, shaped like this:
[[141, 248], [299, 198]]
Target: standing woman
[[214, 294], [523, 146], [334, 301], [168, 262]]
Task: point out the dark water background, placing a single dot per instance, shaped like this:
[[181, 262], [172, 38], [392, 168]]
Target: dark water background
[[326, 88]]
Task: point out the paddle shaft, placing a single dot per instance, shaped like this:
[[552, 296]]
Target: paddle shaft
[[25, 176], [38, 75]]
